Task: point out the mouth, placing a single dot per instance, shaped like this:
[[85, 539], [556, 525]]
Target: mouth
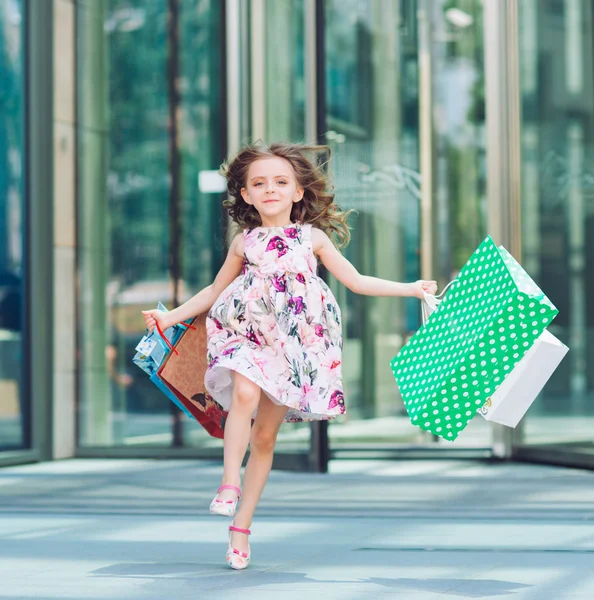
[[270, 200]]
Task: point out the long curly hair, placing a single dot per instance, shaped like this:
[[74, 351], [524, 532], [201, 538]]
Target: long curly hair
[[317, 205]]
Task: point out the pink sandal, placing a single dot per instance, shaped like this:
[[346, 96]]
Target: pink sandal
[[225, 507], [235, 559]]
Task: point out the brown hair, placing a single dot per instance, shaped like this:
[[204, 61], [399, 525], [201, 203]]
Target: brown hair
[[317, 205]]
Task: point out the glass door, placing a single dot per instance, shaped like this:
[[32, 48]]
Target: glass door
[[376, 95]]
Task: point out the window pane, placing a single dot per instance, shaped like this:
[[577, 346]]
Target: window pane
[[285, 70], [372, 81], [127, 198], [556, 41], [14, 422], [372, 119]]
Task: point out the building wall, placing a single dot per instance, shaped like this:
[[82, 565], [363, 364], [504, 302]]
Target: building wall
[[64, 239]]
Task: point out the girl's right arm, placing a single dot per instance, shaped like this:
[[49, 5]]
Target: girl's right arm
[[204, 299]]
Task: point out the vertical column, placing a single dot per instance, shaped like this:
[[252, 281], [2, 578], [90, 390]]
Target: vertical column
[[258, 67], [39, 201], [64, 363], [502, 94], [315, 132], [427, 162], [311, 73], [233, 73], [574, 18], [528, 16], [387, 242], [92, 219]]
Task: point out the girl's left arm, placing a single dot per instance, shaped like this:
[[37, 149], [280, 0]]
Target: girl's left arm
[[348, 275]]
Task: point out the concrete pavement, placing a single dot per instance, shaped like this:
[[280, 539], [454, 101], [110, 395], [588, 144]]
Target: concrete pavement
[[418, 530]]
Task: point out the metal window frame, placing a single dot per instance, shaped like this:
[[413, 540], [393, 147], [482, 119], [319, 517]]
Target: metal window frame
[[502, 97], [38, 194]]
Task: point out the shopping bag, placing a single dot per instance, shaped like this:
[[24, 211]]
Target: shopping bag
[[152, 350], [154, 346], [170, 394], [183, 374], [510, 401], [481, 329]]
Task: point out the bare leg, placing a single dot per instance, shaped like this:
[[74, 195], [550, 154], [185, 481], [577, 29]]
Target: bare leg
[[262, 442], [246, 396]]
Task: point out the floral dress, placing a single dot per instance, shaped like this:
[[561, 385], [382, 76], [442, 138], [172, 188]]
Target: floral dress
[[278, 324]]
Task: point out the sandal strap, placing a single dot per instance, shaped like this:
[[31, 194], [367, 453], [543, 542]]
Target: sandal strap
[[230, 487], [239, 530]]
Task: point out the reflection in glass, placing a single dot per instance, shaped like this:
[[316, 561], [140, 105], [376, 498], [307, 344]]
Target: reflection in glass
[[558, 203], [459, 134], [134, 185], [285, 71], [372, 80], [14, 422], [372, 121]]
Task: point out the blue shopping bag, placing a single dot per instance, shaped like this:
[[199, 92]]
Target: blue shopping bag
[[154, 347], [151, 352]]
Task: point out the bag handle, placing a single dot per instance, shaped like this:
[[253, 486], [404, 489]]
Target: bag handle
[[169, 345], [429, 303]]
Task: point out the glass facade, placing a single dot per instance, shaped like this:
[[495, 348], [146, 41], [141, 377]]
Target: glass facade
[[150, 225], [165, 88], [557, 93], [14, 411]]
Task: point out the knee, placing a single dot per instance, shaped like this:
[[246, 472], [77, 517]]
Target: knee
[[263, 440], [246, 396]]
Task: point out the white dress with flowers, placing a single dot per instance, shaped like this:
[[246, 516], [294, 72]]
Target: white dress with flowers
[[278, 324]]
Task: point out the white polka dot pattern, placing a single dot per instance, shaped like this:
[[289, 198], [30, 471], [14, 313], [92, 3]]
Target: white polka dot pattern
[[480, 331]]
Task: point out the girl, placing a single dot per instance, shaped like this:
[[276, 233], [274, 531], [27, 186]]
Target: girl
[[274, 333]]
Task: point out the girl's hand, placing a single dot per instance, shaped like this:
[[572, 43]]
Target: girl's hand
[[152, 317], [422, 287]]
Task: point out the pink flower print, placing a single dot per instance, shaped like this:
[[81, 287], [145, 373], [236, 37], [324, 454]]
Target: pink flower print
[[277, 243], [261, 364], [244, 266], [218, 324], [292, 233], [296, 305], [304, 400], [300, 278], [280, 284], [229, 351], [337, 399], [213, 362], [251, 336], [335, 363], [319, 330]]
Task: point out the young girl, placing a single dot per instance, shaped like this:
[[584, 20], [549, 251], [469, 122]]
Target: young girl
[[274, 332]]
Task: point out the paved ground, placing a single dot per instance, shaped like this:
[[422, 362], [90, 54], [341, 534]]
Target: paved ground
[[418, 530]]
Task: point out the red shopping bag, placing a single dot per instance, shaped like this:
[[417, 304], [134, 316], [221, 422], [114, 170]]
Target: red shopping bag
[[183, 371]]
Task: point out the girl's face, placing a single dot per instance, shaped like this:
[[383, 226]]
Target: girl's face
[[271, 188]]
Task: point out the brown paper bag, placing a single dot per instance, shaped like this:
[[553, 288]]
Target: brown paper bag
[[183, 373]]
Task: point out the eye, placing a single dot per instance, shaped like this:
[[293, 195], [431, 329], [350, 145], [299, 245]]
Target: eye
[[259, 183], [283, 182]]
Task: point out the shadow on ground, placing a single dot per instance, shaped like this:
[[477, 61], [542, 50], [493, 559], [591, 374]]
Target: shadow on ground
[[210, 579]]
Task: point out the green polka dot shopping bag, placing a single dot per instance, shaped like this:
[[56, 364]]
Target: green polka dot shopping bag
[[490, 317]]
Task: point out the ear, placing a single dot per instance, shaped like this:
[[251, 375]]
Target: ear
[[245, 196], [299, 195]]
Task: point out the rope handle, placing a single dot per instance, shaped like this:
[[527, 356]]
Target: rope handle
[[169, 345], [430, 303]]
